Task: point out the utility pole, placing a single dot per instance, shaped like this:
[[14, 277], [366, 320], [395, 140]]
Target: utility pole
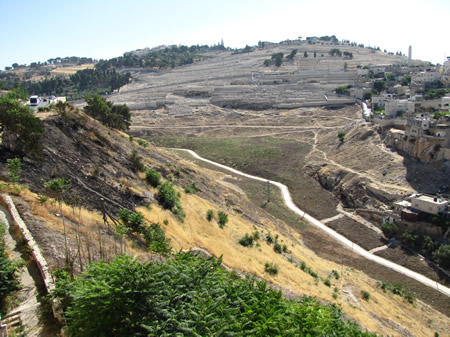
[[268, 191]]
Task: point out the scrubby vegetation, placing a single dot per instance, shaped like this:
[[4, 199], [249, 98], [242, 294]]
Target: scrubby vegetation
[[271, 268], [187, 296], [209, 215], [9, 272], [248, 240], [153, 177], [434, 250], [14, 168], [21, 131], [341, 136], [343, 90], [164, 58], [83, 82], [335, 52], [169, 199], [308, 270], [435, 93], [222, 218], [109, 114], [152, 233], [397, 289], [365, 295], [191, 189]]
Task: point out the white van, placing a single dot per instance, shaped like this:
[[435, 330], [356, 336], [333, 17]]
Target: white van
[[34, 100]]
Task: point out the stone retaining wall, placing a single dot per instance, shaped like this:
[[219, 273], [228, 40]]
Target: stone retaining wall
[[35, 251]]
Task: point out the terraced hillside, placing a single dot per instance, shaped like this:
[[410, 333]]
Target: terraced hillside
[[242, 81]]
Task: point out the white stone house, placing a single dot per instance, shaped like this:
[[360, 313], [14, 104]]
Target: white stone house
[[382, 99], [426, 77], [395, 107], [429, 204]]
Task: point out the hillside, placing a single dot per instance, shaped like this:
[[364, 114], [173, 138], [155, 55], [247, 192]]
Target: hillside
[[229, 106], [98, 161], [277, 123]]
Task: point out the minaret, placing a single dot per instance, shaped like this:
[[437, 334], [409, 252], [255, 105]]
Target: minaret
[[409, 55]]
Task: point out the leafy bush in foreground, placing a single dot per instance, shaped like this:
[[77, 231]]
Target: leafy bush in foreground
[[188, 296]]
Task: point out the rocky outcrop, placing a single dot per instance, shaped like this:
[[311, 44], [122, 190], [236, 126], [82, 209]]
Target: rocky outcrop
[[352, 190], [424, 148]]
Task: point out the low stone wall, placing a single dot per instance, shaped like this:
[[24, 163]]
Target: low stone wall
[[35, 251], [371, 215], [382, 193]]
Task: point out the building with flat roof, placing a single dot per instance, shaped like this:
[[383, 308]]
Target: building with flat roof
[[429, 204]]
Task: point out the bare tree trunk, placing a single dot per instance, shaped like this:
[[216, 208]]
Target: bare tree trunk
[[65, 235], [100, 241]]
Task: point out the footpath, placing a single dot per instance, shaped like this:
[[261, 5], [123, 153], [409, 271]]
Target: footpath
[[346, 242]]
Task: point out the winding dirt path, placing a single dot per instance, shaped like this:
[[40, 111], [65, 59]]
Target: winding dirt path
[[346, 242]]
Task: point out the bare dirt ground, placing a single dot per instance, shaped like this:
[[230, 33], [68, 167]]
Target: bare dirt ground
[[361, 235]]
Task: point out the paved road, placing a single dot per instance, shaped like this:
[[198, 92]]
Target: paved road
[[346, 242]]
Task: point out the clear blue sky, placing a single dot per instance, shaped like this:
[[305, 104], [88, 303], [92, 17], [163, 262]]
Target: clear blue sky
[[38, 30]]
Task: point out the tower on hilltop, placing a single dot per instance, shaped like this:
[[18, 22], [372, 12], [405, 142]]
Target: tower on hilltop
[[409, 55]]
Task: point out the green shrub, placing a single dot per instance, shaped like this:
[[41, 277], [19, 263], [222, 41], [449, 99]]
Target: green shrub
[[246, 240], [153, 234], [303, 266], [410, 239], [153, 177], [109, 114], [9, 270], [269, 238], [42, 199], [132, 221], [136, 161], [14, 168], [365, 295], [342, 90], [442, 256], [314, 274], [223, 219], [191, 189], [21, 130], [277, 248], [142, 143], [209, 215], [169, 199], [327, 282], [397, 289], [190, 296], [389, 229], [156, 239], [271, 268], [167, 196], [335, 273]]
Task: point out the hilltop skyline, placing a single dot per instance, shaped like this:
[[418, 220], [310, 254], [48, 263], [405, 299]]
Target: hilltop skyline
[[33, 33]]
